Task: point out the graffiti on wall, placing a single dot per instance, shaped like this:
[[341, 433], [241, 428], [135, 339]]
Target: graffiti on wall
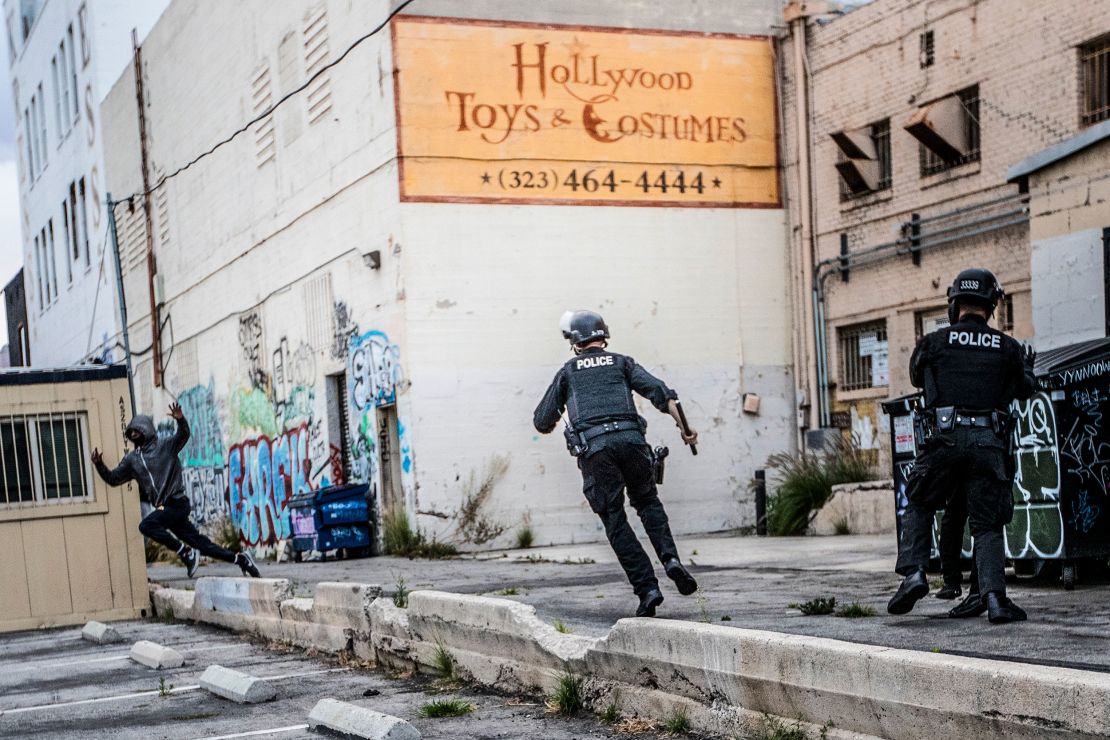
[[292, 374], [206, 488], [375, 370], [345, 330], [206, 442], [1037, 529], [250, 344], [264, 474]]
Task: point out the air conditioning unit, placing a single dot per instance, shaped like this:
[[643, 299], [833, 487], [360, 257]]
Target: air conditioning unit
[[942, 127], [860, 167]]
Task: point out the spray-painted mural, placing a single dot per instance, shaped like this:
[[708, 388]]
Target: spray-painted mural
[[1037, 529], [263, 475]]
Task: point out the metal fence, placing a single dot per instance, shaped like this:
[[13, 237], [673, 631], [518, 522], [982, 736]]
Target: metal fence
[[44, 458]]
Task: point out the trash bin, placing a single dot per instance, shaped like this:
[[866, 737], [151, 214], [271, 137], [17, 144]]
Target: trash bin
[[1062, 461], [343, 518]]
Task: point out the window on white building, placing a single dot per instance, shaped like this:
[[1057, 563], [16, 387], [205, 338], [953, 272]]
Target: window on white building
[[13, 50], [72, 75], [42, 458], [39, 273], [82, 225], [30, 139], [57, 93], [51, 258], [68, 241], [38, 113]]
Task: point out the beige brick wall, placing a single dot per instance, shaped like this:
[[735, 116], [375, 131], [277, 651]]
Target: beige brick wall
[[864, 68]]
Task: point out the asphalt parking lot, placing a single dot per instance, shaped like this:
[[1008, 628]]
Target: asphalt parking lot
[[53, 684]]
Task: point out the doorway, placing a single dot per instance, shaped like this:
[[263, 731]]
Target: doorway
[[389, 458]]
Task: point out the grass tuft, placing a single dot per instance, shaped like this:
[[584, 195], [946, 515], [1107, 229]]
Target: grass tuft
[[816, 607], [400, 539], [401, 594], [677, 722], [805, 481], [840, 526], [474, 526], [611, 714], [164, 689], [443, 661], [525, 537], [856, 610], [567, 696], [561, 626], [438, 708], [507, 591]]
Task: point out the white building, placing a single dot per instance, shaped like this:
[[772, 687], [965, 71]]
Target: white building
[[367, 283], [64, 55]]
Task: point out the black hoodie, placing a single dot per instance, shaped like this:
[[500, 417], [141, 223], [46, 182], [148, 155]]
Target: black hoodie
[[153, 464]]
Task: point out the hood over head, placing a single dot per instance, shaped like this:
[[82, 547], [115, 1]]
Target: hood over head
[[144, 425]]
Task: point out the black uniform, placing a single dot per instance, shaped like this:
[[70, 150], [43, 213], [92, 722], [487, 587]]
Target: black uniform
[[974, 371], [596, 389]]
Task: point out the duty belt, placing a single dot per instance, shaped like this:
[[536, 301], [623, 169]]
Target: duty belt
[[607, 427], [948, 417]]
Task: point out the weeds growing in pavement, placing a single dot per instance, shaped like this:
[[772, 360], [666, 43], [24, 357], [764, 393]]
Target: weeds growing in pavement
[[567, 696], [856, 610], [634, 726], [726, 618], [474, 526], [446, 708], [401, 594], [443, 661], [507, 591], [611, 713], [815, 607], [164, 689], [525, 536], [840, 526], [804, 482], [400, 539], [561, 626], [775, 728], [226, 535], [677, 722]]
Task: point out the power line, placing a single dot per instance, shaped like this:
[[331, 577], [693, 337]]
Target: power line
[[269, 111]]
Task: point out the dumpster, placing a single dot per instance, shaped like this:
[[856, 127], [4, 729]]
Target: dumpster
[[333, 518], [1061, 446]]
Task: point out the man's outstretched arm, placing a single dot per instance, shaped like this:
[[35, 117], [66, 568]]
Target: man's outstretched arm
[[114, 477], [550, 408], [181, 436]]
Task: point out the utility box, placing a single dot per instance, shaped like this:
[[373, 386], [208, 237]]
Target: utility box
[[69, 544]]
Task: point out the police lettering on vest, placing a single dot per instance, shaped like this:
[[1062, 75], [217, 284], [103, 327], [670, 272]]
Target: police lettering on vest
[[598, 361], [975, 339]]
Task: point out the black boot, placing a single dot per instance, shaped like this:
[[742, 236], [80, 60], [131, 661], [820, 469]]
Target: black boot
[[972, 606], [677, 572], [191, 558], [1001, 610], [651, 599], [950, 590], [914, 586]]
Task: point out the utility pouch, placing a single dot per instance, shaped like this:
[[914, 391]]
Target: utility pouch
[[945, 418], [659, 463], [922, 427], [576, 446]]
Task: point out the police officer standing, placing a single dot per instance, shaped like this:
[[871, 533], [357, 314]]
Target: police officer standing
[[971, 374], [606, 434]]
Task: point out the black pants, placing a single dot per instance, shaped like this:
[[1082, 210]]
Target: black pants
[[952, 540], [967, 463], [625, 463], [172, 519]]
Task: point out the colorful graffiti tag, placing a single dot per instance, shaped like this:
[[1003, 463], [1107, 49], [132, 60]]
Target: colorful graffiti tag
[[1037, 529], [206, 489], [206, 442], [263, 475], [375, 370]]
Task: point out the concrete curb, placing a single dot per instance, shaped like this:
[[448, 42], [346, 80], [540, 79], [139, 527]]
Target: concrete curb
[[356, 721], [100, 633], [153, 655], [727, 678], [236, 686]]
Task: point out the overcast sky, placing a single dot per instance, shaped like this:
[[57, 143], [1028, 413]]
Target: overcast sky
[[11, 251]]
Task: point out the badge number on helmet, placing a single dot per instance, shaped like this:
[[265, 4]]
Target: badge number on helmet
[[969, 285]]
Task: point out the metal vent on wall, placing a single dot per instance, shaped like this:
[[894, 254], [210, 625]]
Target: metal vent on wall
[[316, 56], [262, 97], [134, 239], [318, 311], [162, 209]]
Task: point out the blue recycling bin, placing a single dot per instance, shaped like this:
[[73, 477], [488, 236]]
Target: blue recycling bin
[[333, 518]]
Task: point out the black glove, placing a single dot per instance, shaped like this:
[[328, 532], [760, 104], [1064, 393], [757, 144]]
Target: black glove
[[1029, 357]]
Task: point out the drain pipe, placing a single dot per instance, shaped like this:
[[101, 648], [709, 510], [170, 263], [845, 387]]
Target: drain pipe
[[796, 14]]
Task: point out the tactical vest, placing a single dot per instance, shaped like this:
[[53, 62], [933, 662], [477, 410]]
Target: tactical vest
[[971, 368], [599, 390]]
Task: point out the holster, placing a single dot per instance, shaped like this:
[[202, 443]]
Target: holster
[[659, 463], [924, 427], [576, 445]]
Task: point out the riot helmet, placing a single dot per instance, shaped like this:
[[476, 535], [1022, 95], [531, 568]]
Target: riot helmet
[[976, 286], [583, 327]]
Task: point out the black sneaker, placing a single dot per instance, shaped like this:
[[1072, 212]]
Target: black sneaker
[[950, 591], [677, 572], [191, 558], [969, 608], [648, 602], [914, 587], [246, 564]]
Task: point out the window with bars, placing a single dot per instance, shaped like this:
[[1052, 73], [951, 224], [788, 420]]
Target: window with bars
[[1094, 75], [883, 173], [43, 458], [864, 356], [927, 52], [932, 163]]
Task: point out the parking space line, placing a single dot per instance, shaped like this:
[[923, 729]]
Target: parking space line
[[301, 675], [32, 666], [255, 733], [155, 692]]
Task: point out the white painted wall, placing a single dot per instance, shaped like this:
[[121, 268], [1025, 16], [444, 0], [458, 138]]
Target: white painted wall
[[81, 321], [1068, 289], [460, 321]]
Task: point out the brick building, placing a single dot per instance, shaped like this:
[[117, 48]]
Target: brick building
[[901, 120]]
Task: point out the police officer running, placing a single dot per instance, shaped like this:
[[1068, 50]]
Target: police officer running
[[971, 374], [607, 436]]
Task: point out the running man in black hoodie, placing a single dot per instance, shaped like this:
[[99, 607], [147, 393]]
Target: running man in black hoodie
[[153, 464]]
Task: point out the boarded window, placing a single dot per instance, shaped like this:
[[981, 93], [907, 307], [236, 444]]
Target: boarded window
[[43, 458], [1094, 75], [864, 356]]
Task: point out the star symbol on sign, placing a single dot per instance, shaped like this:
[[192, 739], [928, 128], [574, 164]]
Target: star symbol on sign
[[485, 178], [716, 182], [575, 47]]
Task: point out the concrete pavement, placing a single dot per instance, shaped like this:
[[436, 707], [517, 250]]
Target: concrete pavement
[[749, 580]]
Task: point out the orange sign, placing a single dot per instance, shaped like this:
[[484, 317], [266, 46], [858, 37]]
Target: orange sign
[[512, 112]]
